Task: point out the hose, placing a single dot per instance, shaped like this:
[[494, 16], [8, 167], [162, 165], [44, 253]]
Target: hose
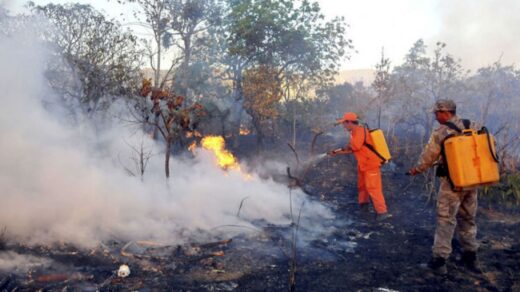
[[493, 153]]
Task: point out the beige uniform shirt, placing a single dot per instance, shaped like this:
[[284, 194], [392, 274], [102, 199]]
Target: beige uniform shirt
[[431, 153]]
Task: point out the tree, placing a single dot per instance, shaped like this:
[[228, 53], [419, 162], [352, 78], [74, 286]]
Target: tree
[[189, 23], [420, 81], [492, 99], [262, 93], [382, 85], [293, 38], [174, 121], [101, 60], [156, 17]]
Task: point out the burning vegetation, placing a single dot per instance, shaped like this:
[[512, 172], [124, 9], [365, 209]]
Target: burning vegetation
[[216, 144], [124, 178]]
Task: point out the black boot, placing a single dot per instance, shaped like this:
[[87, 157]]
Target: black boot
[[470, 261], [383, 216], [438, 265]]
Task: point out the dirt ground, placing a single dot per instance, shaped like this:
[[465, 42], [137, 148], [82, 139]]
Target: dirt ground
[[360, 254]]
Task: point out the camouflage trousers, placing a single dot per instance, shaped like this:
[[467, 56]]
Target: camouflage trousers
[[455, 211]]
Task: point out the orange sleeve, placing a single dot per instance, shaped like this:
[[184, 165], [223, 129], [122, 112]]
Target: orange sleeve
[[357, 139]]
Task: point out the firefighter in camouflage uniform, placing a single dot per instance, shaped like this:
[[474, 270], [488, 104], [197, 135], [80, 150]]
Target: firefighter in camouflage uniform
[[456, 209]]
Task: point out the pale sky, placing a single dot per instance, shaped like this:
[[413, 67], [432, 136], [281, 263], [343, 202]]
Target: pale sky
[[479, 32]]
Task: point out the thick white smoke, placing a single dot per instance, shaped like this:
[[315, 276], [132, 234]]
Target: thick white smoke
[[480, 32], [65, 183]]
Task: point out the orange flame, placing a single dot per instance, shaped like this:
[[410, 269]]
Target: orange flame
[[192, 146], [191, 134], [244, 131], [225, 159]]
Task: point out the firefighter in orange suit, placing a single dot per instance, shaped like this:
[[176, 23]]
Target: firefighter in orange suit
[[370, 187]]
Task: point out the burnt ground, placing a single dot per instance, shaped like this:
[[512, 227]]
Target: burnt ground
[[359, 254]]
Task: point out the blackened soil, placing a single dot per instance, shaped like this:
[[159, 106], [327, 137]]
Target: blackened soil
[[363, 255]]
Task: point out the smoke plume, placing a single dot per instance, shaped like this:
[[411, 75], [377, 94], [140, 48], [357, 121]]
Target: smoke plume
[[64, 182], [480, 32]]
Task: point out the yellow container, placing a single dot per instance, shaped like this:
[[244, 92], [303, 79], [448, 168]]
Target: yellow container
[[471, 159], [378, 138]]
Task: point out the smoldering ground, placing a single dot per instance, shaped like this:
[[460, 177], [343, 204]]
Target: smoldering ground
[[63, 181]]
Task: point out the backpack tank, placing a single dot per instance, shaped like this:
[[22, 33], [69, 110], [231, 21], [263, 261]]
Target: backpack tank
[[380, 145], [471, 158]]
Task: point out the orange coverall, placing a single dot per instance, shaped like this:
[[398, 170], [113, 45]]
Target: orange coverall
[[369, 170]]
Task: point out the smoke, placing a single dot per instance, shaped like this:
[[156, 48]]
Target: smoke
[[480, 32], [62, 182], [16, 263]]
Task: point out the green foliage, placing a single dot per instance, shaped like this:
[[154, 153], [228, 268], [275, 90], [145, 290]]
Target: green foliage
[[507, 192], [292, 36]]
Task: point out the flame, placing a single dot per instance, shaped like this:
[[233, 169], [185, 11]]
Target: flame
[[192, 146], [244, 131], [191, 134], [225, 159]]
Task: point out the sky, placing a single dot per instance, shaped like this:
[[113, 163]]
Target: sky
[[478, 32]]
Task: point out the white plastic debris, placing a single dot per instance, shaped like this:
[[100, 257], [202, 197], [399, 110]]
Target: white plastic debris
[[123, 272]]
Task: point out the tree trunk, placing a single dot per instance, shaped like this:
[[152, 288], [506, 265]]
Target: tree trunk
[[157, 76], [185, 66], [167, 157], [379, 115], [294, 129], [259, 134], [157, 80], [236, 125]]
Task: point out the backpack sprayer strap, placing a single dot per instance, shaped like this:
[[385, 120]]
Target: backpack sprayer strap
[[451, 125], [494, 153]]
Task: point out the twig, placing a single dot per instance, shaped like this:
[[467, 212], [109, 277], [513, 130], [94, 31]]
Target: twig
[[292, 274], [241, 205], [314, 141], [295, 154], [128, 171], [294, 179]]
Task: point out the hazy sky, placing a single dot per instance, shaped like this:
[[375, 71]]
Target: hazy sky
[[478, 32]]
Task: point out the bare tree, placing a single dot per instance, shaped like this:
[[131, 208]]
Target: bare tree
[[101, 60], [382, 85]]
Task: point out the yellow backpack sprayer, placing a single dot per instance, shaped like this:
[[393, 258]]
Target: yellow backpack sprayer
[[470, 157], [380, 147]]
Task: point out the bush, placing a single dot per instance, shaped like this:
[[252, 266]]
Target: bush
[[507, 192]]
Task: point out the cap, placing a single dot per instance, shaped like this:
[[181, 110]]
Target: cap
[[444, 105], [350, 116]]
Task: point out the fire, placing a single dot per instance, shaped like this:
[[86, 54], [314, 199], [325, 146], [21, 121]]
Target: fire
[[190, 134], [244, 131], [192, 146], [225, 159]]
